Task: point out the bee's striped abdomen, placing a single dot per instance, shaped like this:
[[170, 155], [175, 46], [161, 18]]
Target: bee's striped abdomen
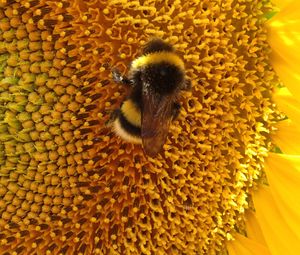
[[127, 124]]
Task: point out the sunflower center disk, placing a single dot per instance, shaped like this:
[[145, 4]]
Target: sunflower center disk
[[69, 186]]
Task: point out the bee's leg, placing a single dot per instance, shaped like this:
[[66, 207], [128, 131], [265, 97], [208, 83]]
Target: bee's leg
[[187, 85], [119, 78], [114, 114], [175, 110]]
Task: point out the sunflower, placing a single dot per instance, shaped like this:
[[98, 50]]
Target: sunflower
[[274, 228], [226, 180]]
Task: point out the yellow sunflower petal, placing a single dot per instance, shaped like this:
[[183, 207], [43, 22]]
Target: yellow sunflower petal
[[288, 73], [288, 104], [254, 243], [283, 173], [287, 137], [253, 229], [284, 38], [246, 246], [279, 236], [280, 3]]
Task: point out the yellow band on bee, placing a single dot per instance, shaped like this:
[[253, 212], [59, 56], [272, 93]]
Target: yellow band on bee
[[131, 112], [157, 57]]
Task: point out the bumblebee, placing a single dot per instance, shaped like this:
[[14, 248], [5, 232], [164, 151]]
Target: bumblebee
[[156, 78]]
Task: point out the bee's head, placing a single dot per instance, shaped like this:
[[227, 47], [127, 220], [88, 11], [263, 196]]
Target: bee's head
[[164, 78]]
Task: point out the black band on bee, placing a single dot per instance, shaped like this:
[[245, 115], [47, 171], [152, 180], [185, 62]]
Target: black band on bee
[[128, 127], [136, 96]]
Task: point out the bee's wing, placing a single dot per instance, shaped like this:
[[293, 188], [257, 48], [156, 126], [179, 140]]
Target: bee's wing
[[156, 119]]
